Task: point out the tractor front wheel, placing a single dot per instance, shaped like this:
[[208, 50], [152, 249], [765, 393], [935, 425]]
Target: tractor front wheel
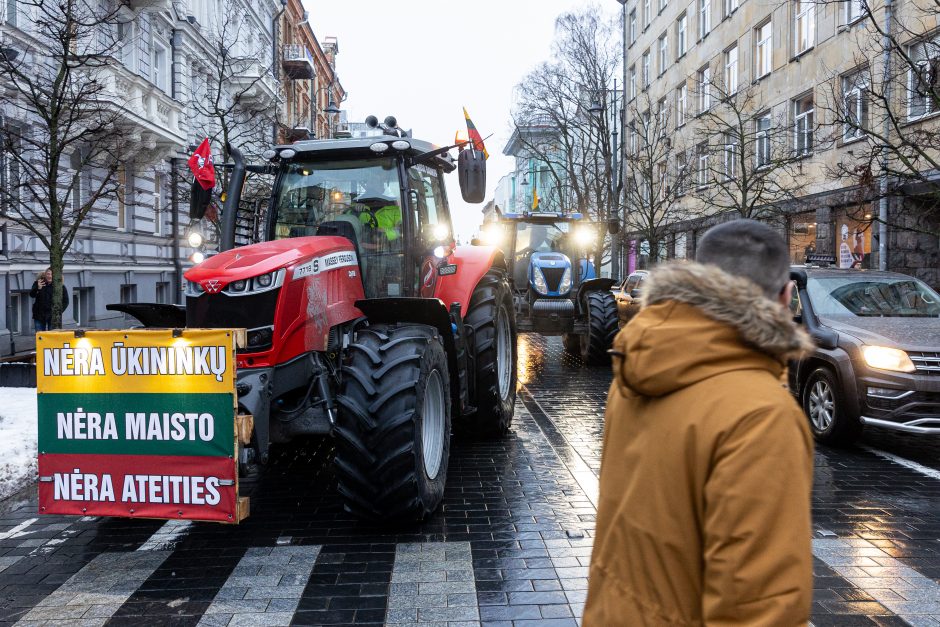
[[601, 309], [393, 424]]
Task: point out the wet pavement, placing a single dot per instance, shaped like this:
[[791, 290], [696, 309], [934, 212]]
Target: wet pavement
[[510, 546]]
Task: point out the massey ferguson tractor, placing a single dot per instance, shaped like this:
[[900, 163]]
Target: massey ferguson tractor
[[556, 290], [363, 320]]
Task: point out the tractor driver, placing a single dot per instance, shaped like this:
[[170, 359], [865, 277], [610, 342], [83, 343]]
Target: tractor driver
[[381, 217]]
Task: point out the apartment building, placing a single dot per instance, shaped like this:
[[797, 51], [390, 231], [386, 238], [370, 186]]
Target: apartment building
[[802, 66]]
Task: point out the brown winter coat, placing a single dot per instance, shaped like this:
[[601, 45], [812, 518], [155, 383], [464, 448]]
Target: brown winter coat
[[704, 513]]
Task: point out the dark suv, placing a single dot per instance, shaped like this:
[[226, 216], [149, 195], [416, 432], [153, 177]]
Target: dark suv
[[877, 360]]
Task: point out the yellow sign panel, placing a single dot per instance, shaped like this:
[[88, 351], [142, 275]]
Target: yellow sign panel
[[136, 361]]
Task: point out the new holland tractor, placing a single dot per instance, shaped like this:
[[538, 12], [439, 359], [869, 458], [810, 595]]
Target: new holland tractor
[[363, 320], [556, 290]]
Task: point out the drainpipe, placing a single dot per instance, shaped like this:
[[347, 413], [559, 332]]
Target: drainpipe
[[883, 184], [176, 41], [276, 56], [175, 228]]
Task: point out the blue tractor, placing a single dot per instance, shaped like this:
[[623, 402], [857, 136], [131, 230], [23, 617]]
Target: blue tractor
[[556, 288]]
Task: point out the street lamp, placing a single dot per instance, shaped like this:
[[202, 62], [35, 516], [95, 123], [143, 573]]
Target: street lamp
[[600, 108]]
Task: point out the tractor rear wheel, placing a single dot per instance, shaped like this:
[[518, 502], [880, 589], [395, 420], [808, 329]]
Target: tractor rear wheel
[[492, 318], [601, 309], [393, 424]]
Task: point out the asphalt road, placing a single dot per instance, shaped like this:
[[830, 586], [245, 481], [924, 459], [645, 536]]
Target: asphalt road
[[511, 544]]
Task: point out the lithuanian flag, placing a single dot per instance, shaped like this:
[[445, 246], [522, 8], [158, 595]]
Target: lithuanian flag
[[474, 135]]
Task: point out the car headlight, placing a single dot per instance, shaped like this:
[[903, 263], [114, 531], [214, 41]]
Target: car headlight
[[885, 358], [539, 279], [565, 284]]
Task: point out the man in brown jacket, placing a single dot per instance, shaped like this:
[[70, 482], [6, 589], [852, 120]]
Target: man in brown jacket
[[704, 514]]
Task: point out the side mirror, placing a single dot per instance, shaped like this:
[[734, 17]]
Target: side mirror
[[471, 171], [634, 293], [199, 200], [613, 226]]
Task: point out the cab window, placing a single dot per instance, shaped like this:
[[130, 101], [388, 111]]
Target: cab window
[[428, 205]]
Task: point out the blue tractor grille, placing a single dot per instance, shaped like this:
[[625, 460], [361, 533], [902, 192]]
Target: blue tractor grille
[[553, 277]]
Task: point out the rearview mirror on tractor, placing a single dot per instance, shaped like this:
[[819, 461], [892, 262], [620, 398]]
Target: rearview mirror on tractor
[[471, 171], [199, 200]]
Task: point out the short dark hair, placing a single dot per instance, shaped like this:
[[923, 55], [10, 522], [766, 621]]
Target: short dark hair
[[749, 249]]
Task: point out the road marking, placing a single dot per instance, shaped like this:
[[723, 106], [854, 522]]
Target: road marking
[[166, 536], [15, 532], [924, 470], [97, 591], [265, 587], [899, 588], [432, 582]]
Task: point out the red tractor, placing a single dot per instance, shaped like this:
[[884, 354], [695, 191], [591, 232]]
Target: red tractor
[[363, 320]]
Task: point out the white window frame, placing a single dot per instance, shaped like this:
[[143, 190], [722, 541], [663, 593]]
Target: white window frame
[[682, 165], [662, 171], [682, 103], [682, 35], [158, 182], [12, 13], [730, 151], [663, 52], [646, 69], [160, 66], [804, 25], [731, 70], [662, 5], [762, 146], [855, 10], [633, 138], [731, 6], [647, 13], [803, 126], [663, 113], [704, 89], [122, 179], [764, 50], [924, 82], [632, 26], [855, 103], [632, 82], [701, 172], [704, 18]]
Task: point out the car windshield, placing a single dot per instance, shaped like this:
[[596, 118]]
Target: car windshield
[[861, 295], [313, 193]]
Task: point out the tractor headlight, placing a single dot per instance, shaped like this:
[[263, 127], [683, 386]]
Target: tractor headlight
[[885, 358], [265, 280], [195, 239], [193, 289], [441, 232], [565, 284], [584, 236], [256, 284], [538, 279], [493, 235], [238, 286]]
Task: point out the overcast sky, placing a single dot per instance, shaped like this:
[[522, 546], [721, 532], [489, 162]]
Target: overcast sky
[[422, 60]]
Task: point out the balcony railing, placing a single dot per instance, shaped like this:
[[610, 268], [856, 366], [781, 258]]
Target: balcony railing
[[298, 62]]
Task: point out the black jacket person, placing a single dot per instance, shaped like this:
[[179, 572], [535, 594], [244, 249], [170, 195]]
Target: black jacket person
[[42, 305]]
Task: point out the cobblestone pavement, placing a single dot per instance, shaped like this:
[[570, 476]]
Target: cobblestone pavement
[[510, 546]]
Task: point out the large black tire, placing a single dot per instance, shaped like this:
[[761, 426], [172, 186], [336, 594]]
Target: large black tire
[[602, 320], [381, 465], [824, 405], [492, 318]]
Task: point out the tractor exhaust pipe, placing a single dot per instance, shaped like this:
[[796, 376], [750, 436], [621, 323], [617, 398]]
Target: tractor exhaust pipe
[[232, 198]]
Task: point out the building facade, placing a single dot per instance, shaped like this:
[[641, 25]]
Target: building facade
[[796, 66], [175, 58]]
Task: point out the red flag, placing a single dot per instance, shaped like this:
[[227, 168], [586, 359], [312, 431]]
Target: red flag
[[474, 135], [201, 165]]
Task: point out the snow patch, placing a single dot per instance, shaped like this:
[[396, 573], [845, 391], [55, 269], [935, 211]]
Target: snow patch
[[18, 434]]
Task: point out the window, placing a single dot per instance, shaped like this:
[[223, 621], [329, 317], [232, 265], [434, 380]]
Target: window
[[704, 89], [10, 168], [730, 155], [663, 48], [682, 103], [702, 172], [803, 114], [854, 10], [12, 12], [632, 82], [762, 140], [646, 69], [159, 67], [855, 105], [647, 13], [804, 30], [763, 54], [158, 204], [681, 35], [682, 174], [704, 17], [662, 5], [730, 7], [78, 191], [125, 35], [163, 292], [923, 78], [661, 169], [632, 143], [121, 193], [632, 38], [731, 70], [663, 112]]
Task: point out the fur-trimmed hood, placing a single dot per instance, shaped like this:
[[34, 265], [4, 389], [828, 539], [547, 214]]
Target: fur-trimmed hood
[[698, 321]]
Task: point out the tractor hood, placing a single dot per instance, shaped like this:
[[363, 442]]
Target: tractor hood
[[258, 259], [550, 274]]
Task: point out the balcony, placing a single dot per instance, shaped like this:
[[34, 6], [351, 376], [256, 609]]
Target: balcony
[[298, 62], [252, 84], [150, 5], [151, 118]]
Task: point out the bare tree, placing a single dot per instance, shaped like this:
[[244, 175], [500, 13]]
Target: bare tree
[[565, 117], [744, 159], [657, 174], [61, 135], [883, 112]]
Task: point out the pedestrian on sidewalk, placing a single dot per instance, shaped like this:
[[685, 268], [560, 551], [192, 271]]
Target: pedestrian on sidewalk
[[42, 305], [706, 473]]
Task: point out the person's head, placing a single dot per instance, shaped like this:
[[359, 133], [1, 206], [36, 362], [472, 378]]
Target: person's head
[[752, 250], [47, 275]]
